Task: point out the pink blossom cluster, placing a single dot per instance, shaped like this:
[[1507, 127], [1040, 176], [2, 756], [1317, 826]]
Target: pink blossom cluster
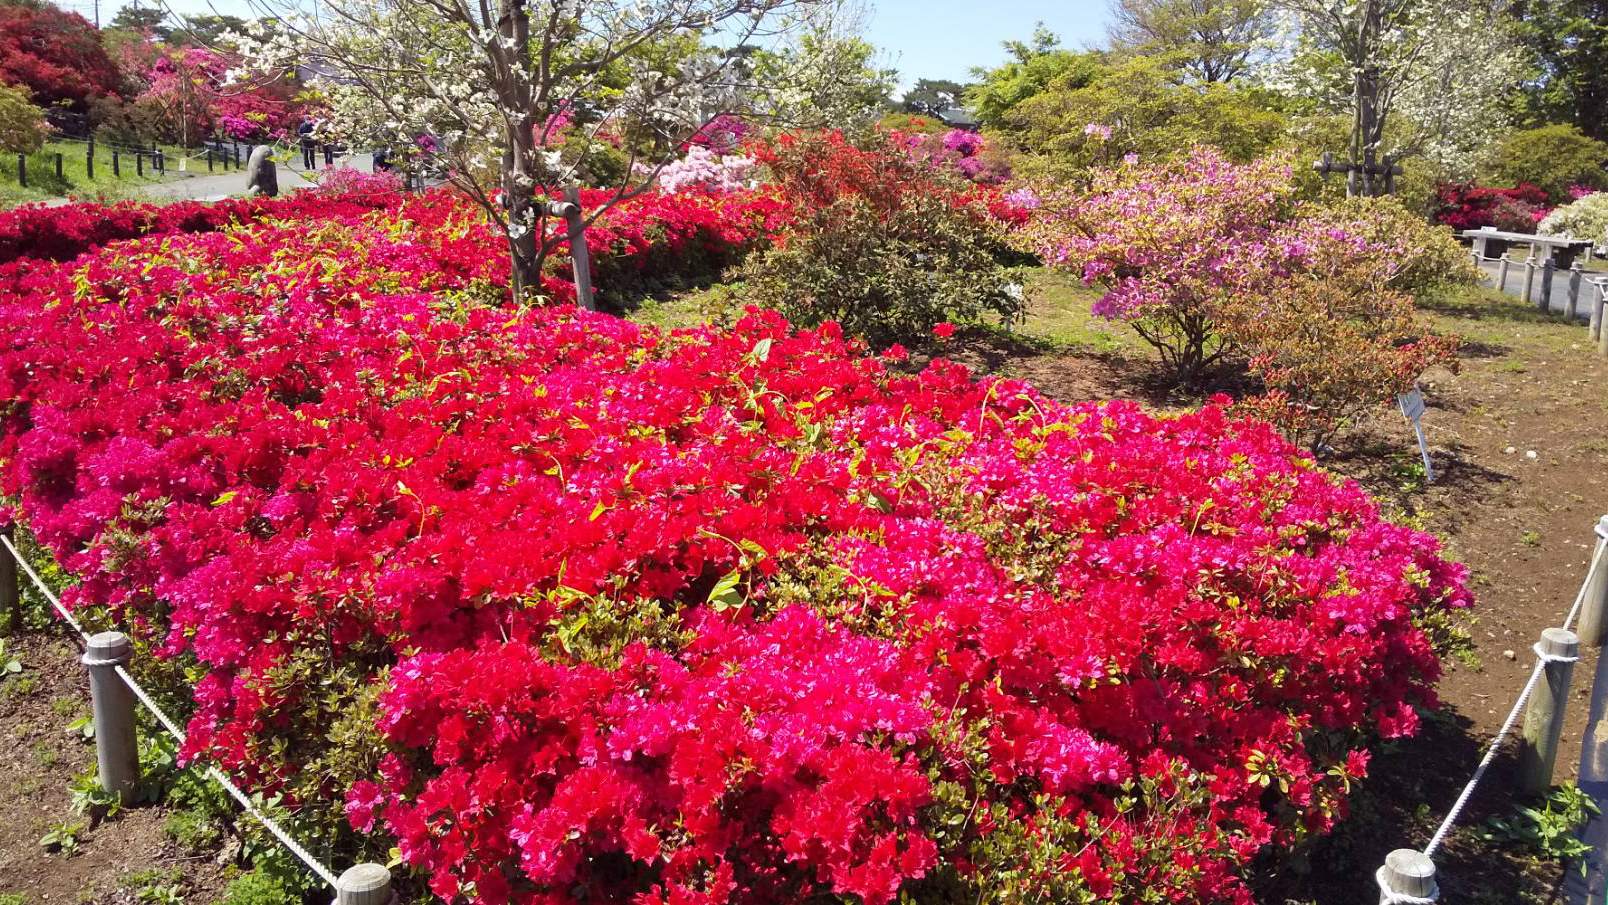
[[957, 150], [706, 616], [702, 169]]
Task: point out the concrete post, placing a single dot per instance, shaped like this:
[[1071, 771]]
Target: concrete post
[[364, 884], [1543, 716], [113, 704], [1594, 597], [1407, 873], [1529, 279], [10, 588], [1575, 271], [1502, 272], [1548, 268], [1594, 304]]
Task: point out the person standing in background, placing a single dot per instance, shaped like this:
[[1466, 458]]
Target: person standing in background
[[305, 132]]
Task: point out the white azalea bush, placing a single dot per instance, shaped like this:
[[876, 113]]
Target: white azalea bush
[[1584, 218]]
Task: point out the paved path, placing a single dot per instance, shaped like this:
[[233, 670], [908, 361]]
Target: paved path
[[216, 186], [1560, 287]]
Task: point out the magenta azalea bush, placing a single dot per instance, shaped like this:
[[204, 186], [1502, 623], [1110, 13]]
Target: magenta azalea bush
[[570, 609]]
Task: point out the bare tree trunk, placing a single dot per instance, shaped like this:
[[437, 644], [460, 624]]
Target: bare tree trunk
[[525, 219]]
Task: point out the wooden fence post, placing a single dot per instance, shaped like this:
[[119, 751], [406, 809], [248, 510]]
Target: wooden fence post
[[364, 884], [59, 177], [117, 167], [89, 159], [1575, 271], [22, 170], [1543, 716], [1594, 596], [139, 162], [113, 704], [1528, 293], [209, 160], [1502, 272], [1407, 873], [10, 587], [1548, 268]]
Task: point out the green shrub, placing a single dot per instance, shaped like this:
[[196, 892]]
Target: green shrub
[[883, 245], [22, 125], [1554, 158]]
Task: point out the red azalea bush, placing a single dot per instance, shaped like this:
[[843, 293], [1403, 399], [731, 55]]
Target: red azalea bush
[[576, 610], [1464, 206]]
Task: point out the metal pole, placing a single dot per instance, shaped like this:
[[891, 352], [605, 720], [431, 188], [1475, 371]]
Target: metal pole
[[1543, 716], [113, 704], [1594, 597], [1407, 873], [364, 884], [10, 588], [579, 258]]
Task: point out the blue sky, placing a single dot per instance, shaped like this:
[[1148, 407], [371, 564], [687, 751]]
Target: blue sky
[[944, 39], [940, 39]]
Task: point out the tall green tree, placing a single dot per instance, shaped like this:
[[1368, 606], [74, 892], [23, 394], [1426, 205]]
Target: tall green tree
[[1568, 44], [1214, 39], [1031, 69]]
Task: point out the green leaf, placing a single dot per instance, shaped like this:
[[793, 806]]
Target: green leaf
[[724, 595], [225, 497]]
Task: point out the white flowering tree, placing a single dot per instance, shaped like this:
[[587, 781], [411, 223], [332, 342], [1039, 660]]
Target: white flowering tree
[[510, 97], [1436, 73]]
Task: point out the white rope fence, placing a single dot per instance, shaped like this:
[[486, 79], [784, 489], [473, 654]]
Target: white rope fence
[[1408, 876], [369, 888]]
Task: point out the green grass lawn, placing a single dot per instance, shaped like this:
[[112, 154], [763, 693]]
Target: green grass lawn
[[75, 182]]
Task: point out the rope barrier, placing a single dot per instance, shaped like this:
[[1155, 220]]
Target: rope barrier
[[1541, 660], [1388, 896], [272, 826]]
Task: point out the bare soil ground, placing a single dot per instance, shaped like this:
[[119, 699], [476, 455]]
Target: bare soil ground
[[125, 859]]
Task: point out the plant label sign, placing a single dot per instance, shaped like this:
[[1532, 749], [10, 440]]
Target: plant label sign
[[1412, 408]]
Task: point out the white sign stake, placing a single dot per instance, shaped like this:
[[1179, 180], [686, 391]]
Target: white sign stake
[[1412, 408]]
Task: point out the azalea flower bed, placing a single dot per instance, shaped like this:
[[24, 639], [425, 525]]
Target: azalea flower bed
[[575, 610]]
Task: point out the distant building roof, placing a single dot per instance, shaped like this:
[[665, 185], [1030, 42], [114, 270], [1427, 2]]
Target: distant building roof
[[956, 118]]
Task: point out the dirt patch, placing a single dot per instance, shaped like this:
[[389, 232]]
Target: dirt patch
[[113, 860]]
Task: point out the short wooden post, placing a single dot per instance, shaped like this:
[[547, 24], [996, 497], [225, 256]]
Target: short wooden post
[[580, 260], [1576, 270], [1594, 593], [59, 177], [364, 884], [237, 155], [139, 163], [117, 166], [1529, 279], [113, 703], [1548, 268], [329, 156], [1543, 717], [161, 162], [1407, 873], [22, 170], [89, 159], [1594, 304], [1502, 272], [10, 587], [209, 160]]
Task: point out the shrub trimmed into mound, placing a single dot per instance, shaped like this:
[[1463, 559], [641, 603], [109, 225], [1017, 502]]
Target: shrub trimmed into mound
[[578, 611]]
